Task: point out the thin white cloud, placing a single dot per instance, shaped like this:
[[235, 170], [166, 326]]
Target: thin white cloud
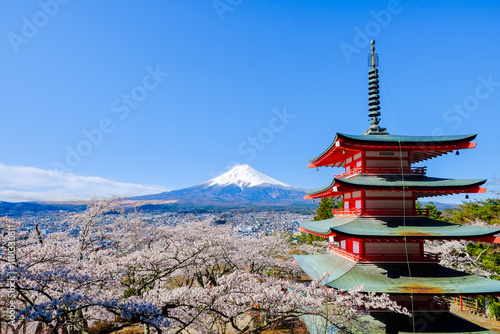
[[21, 183]]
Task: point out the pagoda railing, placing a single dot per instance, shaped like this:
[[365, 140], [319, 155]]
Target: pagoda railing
[[382, 171], [426, 257], [353, 257], [350, 172], [346, 212], [379, 212]]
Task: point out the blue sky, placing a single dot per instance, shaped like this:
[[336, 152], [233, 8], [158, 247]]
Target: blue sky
[[153, 95]]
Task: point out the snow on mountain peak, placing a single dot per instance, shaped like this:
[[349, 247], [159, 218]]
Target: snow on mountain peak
[[244, 176]]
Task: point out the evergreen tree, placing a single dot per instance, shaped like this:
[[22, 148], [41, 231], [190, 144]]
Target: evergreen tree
[[324, 211], [326, 205], [487, 211], [434, 213]]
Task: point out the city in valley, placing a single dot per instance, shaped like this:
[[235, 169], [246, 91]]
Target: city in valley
[[279, 221]]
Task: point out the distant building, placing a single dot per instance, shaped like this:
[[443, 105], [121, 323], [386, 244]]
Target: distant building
[[247, 229]]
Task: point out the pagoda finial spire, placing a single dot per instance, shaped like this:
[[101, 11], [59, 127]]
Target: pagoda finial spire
[[373, 97], [373, 56]]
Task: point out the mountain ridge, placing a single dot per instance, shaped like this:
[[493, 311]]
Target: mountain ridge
[[242, 185], [244, 175]]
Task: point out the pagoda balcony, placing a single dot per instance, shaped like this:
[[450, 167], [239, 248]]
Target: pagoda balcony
[[383, 258], [380, 213], [382, 171]]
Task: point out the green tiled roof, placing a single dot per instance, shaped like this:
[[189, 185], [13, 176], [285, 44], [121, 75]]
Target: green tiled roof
[[317, 265], [319, 190], [390, 181], [394, 278], [380, 322], [425, 322], [411, 181], [410, 140], [395, 227], [404, 140]]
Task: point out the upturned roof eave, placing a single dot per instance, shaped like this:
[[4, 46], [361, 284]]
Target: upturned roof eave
[[408, 140], [420, 183], [400, 140], [321, 189], [426, 279], [312, 160], [432, 183], [384, 227]]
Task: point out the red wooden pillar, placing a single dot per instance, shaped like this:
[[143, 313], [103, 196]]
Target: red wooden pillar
[[363, 164], [363, 201], [461, 308]]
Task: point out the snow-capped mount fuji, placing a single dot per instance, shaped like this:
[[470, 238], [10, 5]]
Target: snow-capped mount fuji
[[244, 176], [242, 185]]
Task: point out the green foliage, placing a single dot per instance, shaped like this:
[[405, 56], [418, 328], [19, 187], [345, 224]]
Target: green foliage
[[481, 302], [495, 309], [129, 293], [324, 211], [486, 210], [326, 205], [493, 305], [307, 238], [434, 213], [487, 254]]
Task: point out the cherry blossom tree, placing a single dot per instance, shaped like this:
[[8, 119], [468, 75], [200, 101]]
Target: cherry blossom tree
[[454, 255], [249, 303], [195, 276], [49, 272]]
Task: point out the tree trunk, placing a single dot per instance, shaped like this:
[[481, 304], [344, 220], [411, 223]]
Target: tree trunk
[[39, 328]]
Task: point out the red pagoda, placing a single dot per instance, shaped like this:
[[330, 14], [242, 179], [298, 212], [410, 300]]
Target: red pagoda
[[377, 239]]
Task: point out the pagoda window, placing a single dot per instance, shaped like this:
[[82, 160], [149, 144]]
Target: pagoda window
[[356, 194], [358, 205], [355, 247], [347, 195], [346, 205], [354, 162], [343, 244]]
